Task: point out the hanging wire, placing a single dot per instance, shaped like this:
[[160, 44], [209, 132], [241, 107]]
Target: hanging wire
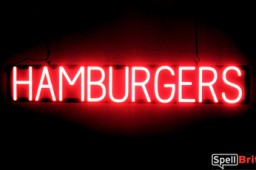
[[46, 59], [197, 59]]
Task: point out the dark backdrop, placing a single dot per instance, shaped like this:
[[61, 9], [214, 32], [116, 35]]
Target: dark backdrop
[[24, 24]]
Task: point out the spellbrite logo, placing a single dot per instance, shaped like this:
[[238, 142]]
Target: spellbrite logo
[[118, 84], [232, 160]]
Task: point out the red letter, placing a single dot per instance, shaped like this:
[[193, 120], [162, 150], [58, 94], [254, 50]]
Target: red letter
[[142, 84], [16, 82], [224, 77], [182, 83], [111, 85], [165, 85], [95, 83], [71, 82], [45, 74], [242, 159], [209, 84]]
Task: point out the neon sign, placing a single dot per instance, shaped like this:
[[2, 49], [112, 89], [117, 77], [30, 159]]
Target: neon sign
[[118, 84]]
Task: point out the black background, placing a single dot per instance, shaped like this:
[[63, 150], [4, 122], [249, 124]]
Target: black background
[[24, 24]]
